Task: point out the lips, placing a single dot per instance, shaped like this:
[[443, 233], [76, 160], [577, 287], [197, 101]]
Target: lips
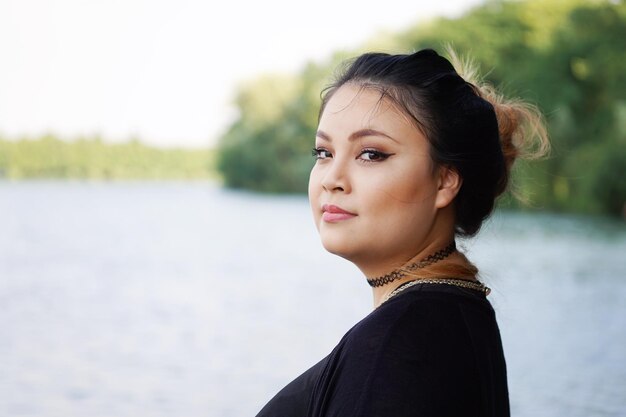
[[334, 214]]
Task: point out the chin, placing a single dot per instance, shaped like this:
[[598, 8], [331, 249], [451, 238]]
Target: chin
[[339, 248]]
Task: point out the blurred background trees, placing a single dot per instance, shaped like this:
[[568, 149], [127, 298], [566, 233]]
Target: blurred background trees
[[566, 56], [91, 158]]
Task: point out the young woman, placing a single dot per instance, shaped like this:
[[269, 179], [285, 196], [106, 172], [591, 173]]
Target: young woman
[[408, 156]]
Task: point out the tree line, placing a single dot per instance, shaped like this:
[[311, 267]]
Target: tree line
[[565, 56], [91, 158]]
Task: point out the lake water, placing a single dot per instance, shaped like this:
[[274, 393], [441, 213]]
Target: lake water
[[184, 299]]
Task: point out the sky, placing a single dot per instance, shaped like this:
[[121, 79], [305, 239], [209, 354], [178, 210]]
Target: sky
[[166, 71]]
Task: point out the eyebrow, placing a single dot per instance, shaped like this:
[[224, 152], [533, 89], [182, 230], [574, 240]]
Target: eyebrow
[[356, 135]]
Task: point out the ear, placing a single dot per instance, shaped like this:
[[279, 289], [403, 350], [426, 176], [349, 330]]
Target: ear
[[449, 185]]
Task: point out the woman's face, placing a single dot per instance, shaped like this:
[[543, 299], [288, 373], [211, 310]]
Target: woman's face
[[373, 190]]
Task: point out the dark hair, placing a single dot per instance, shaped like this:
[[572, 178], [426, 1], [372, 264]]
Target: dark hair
[[470, 128]]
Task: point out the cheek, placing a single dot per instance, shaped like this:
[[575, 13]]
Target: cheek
[[404, 204], [406, 186], [314, 194], [313, 178]]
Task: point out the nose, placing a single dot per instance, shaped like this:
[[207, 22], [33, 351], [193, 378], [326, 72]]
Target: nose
[[336, 176]]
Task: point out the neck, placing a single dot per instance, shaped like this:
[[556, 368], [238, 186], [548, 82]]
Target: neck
[[454, 266]]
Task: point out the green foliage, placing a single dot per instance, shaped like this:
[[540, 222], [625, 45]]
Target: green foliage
[[272, 154], [564, 55], [602, 191], [49, 157]]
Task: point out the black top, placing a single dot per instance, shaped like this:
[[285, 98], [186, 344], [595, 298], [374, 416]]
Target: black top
[[432, 350]]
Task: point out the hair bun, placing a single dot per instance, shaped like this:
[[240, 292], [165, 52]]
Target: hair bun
[[521, 125]]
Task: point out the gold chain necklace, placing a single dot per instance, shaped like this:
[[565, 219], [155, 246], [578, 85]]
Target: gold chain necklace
[[478, 286]]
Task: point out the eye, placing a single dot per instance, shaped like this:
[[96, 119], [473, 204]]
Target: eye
[[372, 155], [321, 153]]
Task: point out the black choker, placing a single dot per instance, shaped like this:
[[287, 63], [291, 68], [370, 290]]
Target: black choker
[[401, 273]]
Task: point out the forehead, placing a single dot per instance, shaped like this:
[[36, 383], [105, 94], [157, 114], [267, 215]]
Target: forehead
[[364, 107]]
